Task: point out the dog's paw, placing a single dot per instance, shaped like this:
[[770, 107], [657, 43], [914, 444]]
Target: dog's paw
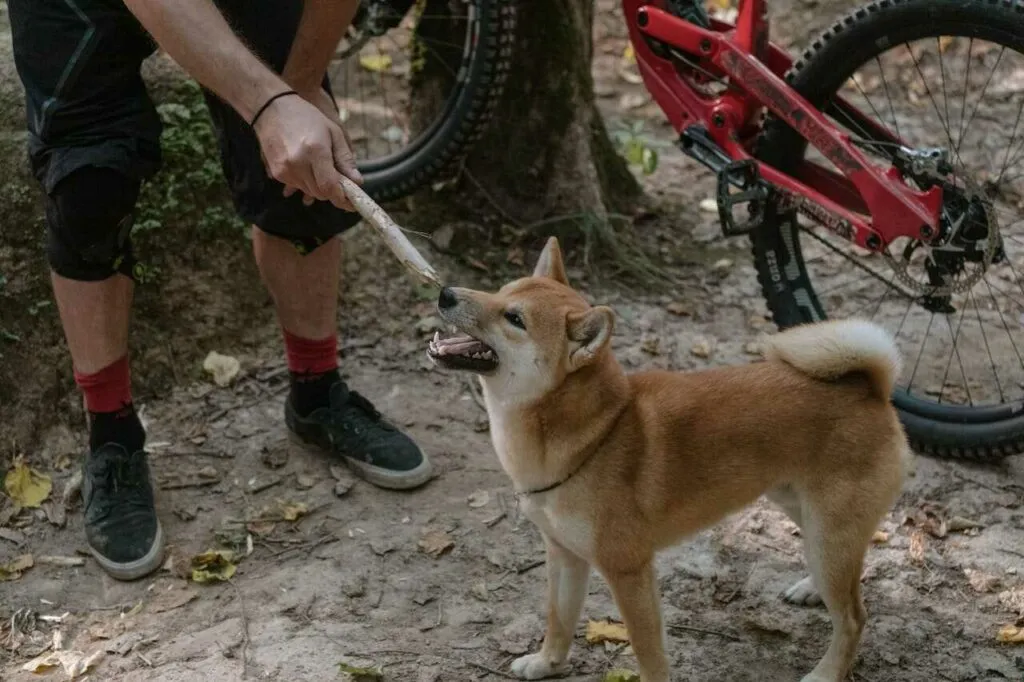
[[537, 667], [803, 594]]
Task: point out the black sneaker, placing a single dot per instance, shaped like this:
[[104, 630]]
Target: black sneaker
[[120, 519], [354, 430]]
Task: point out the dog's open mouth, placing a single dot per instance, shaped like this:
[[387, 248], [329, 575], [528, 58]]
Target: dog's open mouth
[[462, 352]]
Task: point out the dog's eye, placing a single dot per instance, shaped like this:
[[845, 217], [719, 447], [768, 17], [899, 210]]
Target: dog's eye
[[515, 319]]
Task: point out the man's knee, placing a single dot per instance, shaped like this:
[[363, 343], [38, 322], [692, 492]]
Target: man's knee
[[89, 215]]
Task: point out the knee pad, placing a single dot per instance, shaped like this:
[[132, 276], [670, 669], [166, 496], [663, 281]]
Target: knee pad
[[90, 215]]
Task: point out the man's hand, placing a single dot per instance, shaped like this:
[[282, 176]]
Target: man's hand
[[307, 151]]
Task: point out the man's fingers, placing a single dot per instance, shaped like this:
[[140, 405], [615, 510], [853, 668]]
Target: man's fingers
[[344, 159], [328, 181]]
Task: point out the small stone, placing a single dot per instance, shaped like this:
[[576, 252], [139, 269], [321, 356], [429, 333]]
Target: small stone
[[701, 349], [709, 205], [651, 344], [354, 586], [479, 591], [722, 267], [275, 458], [304, 481], [381, 547], [753, 348]]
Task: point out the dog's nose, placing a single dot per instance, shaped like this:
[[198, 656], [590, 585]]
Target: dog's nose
[[447, 299]]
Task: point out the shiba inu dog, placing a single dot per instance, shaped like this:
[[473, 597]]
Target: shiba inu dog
[[613, 467]]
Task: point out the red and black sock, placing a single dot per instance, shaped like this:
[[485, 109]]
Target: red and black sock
[[313, 364], [108, 399]]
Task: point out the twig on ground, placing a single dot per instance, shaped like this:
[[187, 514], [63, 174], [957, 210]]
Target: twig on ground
[[530, 566], [451, 659], [245, 630], [704, 631]]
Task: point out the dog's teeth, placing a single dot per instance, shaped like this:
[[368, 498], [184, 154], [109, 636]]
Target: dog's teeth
[[437, 337], [476, 356]]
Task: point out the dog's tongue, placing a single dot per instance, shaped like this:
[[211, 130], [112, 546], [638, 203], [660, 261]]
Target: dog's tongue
[[458, 345]]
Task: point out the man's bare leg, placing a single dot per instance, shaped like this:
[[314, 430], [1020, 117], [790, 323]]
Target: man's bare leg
[[304, 287], [95, 317]]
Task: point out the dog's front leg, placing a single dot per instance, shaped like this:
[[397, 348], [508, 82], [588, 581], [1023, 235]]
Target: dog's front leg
[[568, 577], [636, 594]]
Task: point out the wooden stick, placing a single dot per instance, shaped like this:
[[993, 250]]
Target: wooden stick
[[392, 234]]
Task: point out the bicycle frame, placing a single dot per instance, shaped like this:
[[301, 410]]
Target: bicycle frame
[[864, 203]]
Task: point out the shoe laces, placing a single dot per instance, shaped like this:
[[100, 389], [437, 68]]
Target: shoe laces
[[358, 408], [122, 476]]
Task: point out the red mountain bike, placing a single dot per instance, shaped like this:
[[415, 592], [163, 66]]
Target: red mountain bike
[[878, 176], [826, 162]]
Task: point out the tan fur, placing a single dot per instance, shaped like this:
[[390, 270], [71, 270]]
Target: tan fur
[[655, 457]]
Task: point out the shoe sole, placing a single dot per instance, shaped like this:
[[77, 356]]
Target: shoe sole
[[133, 570], [388, 479]]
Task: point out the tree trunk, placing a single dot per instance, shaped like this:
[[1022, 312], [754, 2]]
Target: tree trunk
[[546, 159]]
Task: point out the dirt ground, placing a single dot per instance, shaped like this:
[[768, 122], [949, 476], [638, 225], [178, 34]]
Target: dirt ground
[[352, 579]]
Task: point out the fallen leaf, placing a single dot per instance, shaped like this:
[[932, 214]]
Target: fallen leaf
[[959, 523], [361, 674], [436, 542], [880, 537], [708, 205], [223, 368], [292, 511], [172, 599], [480, 498], [261, 528], [980, 581], [13, 569], [213, 566], [606, 631], [75, 663], [621, 675], [26, 486], [1010, 634], [375, 62], [945, 42], [680, 309], [650, 344]]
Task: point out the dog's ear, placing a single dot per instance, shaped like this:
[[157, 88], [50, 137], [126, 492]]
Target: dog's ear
[[589, 334], [550, 263]]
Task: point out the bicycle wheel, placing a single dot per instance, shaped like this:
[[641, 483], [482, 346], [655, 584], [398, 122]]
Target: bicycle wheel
[[947, 78], [416, 82]]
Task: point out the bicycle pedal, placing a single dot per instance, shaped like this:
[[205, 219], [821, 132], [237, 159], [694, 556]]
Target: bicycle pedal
[[740, 185]]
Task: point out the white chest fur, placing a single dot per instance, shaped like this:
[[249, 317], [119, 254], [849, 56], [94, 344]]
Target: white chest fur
[[573, 531]]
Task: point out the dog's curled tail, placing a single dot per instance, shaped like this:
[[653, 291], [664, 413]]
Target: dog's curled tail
[[832, 349]]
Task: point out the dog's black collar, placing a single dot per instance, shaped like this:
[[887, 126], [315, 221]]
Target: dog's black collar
[[556, 484]]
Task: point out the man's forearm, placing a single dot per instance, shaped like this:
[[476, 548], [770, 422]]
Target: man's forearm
[[196, 35], [321, 28]]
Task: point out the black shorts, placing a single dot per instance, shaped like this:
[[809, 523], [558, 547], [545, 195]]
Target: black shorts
[[87, 105]]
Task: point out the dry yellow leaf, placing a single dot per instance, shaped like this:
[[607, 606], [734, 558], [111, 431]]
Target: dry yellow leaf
[[945, 42], [13, 569], [213, 566], [292, 511], [606, 631], [720, 4], [75, 663], [880, 537], [375, 62], [621, 675], [1010, 634], [436, 542], [27, 487], [629, 54]]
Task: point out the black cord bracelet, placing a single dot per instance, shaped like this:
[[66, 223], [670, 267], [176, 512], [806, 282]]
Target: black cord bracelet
[[267, 104]]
